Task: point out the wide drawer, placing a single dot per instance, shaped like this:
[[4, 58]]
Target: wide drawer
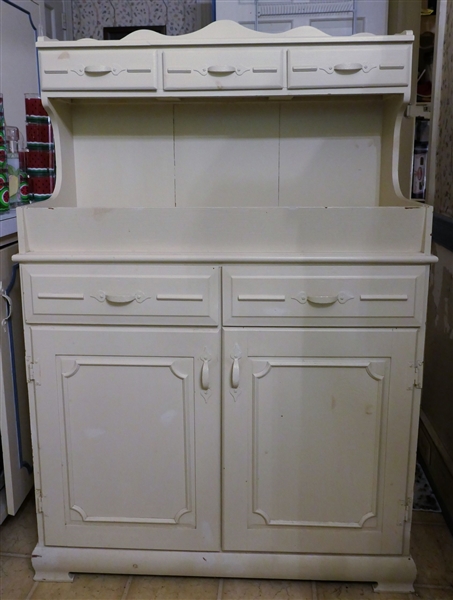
[[314, 295], [108, 69], [223, 69], [351, 66], [122, 294]]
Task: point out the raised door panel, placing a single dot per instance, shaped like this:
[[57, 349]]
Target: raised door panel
[[118, 411], [316, 439]]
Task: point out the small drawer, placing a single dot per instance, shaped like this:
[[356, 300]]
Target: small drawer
[[98, 70], [223, 69], [351, 66], [320, 295], [122, 294]]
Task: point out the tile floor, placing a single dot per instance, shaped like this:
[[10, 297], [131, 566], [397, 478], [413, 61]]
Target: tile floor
[[432, 550]]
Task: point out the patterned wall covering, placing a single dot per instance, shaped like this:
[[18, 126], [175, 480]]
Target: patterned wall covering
[[444, 168], [90, 16]]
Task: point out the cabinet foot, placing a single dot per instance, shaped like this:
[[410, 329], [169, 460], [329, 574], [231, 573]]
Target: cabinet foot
[[46, 570]]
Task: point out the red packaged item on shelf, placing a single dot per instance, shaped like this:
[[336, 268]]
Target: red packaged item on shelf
[[39, 132]]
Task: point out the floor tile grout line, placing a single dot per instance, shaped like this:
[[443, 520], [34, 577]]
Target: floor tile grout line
[[428, 586], [15, 555], [32, 591], [127, 587], [314, 591], [220, 590]]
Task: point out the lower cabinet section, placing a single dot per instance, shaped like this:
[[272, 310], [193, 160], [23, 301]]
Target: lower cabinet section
[[311, 455]]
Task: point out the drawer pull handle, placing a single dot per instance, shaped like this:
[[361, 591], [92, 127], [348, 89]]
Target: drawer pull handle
[[348, 67], [221, 69], [114, 299], [97, 70], [119, 299], [261, 298], [341, 298], [384, 297], [235, 372], [322, 299], [183, 297]]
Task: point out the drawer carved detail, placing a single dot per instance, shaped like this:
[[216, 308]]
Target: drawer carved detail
[[341, 298], [120, 299]]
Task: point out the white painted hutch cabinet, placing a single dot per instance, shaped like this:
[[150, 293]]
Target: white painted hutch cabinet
[[225, 302]]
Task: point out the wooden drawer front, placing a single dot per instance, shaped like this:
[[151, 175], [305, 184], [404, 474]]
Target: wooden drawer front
[[122, 295], [100, 70], [349, 67], [340, 296], [223, 69]]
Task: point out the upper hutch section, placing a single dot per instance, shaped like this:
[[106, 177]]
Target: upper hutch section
[[228, 59], [227, 117]]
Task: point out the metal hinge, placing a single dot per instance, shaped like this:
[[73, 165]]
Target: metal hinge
[[34, 372], [419, 110], [405, 511], [39, 501], [416, 375]]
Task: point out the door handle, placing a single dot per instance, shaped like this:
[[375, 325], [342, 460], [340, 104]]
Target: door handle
[[205, 374], [235, 370]]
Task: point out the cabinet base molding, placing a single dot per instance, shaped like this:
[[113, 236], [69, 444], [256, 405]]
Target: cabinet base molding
[[391, 573]]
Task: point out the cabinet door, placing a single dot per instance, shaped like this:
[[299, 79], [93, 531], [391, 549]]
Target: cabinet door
[[118, 410], [316, 439]]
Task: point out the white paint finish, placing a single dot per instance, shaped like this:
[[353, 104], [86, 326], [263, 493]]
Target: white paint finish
[[319, 156], [229, 157], [298, 232], [223, 69], [395, 570], [107, 70], [226, 155], [349, 66], [152, 295], [115, 382], [352, 295], [329, 398], [138, 167]]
